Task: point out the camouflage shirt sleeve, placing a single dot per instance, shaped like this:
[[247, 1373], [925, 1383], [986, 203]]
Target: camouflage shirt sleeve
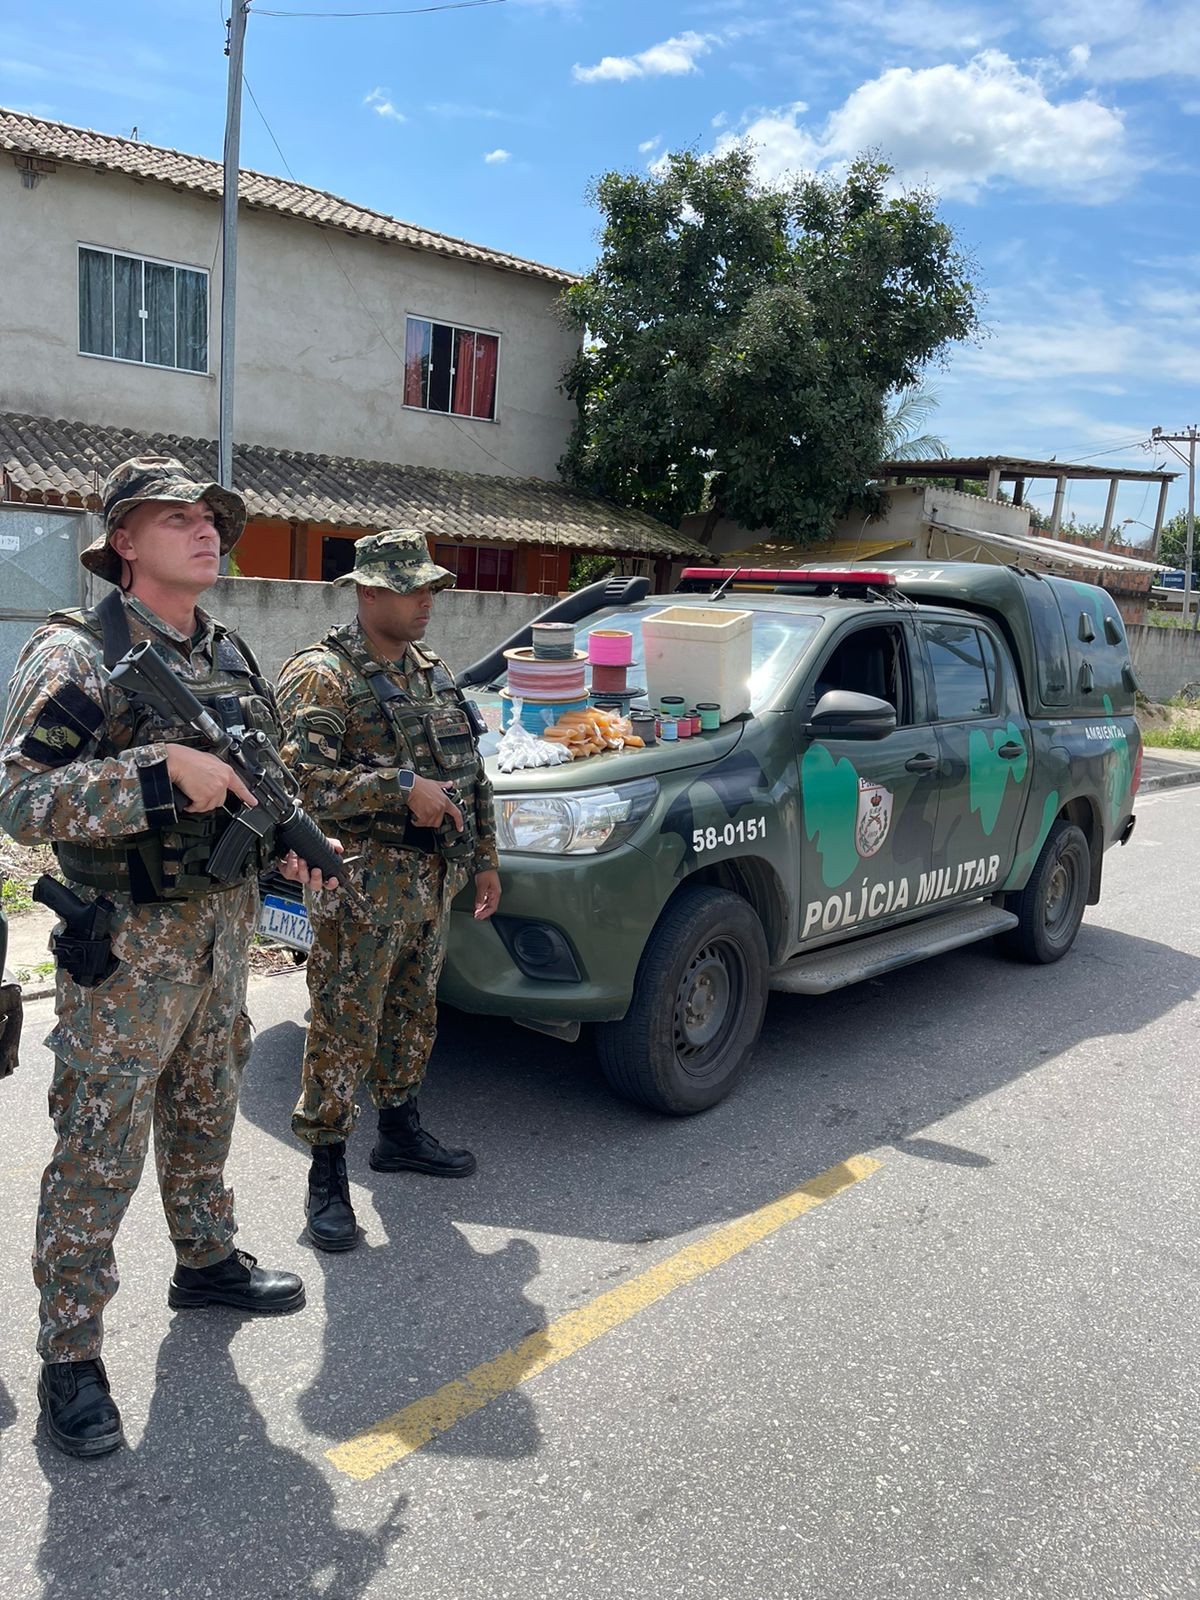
[[313, 711], [486, 859], [60, 710]]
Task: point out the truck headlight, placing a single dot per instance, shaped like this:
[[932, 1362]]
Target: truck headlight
[[580, 824]]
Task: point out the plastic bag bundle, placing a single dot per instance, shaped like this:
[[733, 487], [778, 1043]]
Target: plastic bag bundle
[[520, 749]]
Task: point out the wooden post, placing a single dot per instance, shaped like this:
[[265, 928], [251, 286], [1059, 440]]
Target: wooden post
[[1060, 490], [1158, 518], [1109, 507], [1018, 491]]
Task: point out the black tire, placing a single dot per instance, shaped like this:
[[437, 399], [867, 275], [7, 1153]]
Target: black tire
[[1051, 905], [698, 1004]]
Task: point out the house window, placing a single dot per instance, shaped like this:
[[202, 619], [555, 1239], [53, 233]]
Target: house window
[[133, 309], [477, 566], [450, 369]]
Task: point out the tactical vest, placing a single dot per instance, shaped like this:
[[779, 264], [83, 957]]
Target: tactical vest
[[169, 863], [433, 737]]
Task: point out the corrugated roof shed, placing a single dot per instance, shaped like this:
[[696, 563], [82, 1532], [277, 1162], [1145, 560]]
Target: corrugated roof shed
[[47, 461]]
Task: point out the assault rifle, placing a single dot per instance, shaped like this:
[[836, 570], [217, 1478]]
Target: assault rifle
[[142, 672]]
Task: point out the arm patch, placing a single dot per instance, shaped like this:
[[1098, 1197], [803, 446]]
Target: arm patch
[[320, 731], [65, 727]]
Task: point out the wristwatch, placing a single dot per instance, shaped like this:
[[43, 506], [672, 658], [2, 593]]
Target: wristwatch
[[405, 778]]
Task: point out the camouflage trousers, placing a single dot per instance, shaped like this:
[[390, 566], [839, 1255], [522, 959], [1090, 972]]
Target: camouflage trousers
[[159, 1045], [372, 988]]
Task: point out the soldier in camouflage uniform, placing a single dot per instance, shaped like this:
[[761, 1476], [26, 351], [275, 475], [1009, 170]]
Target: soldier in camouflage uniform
[[384, 750], [133, 812]]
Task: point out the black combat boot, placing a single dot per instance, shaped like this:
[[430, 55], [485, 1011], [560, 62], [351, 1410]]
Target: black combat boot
[[237, 1281], [78, 1410], [331, 1221], [403, 1145]]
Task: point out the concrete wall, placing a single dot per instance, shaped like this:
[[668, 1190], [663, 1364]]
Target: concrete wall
[[319, 363], [1166, 660], [279, 617]]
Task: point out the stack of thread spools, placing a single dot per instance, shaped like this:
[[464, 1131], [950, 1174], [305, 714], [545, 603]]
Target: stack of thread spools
[[548, 678], [610, 654]]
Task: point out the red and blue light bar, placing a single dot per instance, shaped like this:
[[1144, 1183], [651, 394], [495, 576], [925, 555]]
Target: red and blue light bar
[[771, 578]]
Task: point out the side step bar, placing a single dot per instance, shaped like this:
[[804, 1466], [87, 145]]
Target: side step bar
[[835, 968]]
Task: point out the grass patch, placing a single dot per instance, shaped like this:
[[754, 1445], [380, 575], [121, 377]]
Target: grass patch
[[15, 896], [1178, 738]]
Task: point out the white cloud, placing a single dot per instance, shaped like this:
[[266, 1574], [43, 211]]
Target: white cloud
[[647, 145], [380, 101], [496, 158], [672, 58], [959, 129], [928, 26], [1079, 338], [1125, 39]]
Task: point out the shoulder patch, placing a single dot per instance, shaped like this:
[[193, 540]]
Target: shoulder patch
[[66, 725]]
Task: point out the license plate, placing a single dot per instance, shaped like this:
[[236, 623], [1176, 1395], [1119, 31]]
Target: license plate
[[286, 921]]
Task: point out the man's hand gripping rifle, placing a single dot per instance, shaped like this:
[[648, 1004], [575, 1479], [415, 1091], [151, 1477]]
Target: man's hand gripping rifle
[[142, 672]]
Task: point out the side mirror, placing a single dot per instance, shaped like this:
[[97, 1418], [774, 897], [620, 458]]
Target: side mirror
[[842, 714]]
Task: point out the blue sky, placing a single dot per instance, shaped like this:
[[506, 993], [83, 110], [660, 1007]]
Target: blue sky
[[1059, 134]]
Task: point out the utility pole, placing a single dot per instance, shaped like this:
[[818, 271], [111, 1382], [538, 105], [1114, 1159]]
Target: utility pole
[[234, 43], [1188, 437]]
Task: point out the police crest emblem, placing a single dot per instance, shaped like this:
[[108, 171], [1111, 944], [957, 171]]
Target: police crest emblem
[[874, 816]]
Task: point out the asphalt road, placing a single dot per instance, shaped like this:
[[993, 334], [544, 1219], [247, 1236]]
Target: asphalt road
[[970, 1371]]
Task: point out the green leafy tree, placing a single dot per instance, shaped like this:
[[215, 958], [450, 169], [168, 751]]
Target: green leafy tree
[[741, 341], [1174, 539]]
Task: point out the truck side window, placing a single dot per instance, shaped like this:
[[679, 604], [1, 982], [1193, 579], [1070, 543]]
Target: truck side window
[[871, 661], [963, 686]]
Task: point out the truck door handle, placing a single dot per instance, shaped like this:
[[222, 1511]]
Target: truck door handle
[[920, 763], [1011, 751]]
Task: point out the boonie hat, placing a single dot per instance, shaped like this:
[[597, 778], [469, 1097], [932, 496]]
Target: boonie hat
[[158, 478], [397, 558]]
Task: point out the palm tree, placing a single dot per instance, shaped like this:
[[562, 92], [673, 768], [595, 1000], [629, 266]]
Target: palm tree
[[906, 414]]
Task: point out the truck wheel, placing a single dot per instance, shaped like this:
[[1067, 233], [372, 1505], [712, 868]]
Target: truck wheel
[[698, 1004], [1051, 904]]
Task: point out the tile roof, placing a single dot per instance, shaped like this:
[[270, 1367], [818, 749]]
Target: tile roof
[[41, 140], [58, 462]]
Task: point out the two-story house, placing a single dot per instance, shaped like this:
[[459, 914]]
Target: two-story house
[[385, 373]]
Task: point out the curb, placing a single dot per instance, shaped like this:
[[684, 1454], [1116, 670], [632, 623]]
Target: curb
[[1169, 780]]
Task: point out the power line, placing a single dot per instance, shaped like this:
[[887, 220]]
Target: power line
[[411, 11]]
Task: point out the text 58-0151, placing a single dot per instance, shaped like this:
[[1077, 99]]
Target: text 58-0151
[[744, 832]]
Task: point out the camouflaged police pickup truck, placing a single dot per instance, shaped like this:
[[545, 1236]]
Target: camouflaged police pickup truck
[[935, 754]]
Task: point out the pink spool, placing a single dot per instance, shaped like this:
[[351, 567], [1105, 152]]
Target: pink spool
[[610, 647]]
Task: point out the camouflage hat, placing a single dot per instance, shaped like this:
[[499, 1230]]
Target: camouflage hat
[[397, 558], [158, 478]]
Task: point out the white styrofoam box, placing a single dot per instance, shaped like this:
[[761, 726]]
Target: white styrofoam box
[[700, 654]]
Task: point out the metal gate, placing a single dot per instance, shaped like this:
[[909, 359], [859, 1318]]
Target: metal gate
[[39, 572]]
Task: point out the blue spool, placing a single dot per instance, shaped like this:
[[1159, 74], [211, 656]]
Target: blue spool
[[537, 715]]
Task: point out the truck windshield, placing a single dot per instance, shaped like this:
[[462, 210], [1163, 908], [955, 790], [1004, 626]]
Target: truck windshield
[[779, 640]]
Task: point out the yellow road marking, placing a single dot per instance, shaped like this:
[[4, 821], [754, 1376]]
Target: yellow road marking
[[397, 1436]]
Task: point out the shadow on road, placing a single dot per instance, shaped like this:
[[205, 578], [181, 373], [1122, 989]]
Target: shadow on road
[[560, 1155], [206, 1505]]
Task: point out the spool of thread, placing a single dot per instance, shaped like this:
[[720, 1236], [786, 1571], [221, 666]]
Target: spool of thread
[[553, 641], [671, 705], [609, 680], [668, 730], [710, 716], [610, 647], [683, 726], [645, 725], [694, 718], [560, 678]]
